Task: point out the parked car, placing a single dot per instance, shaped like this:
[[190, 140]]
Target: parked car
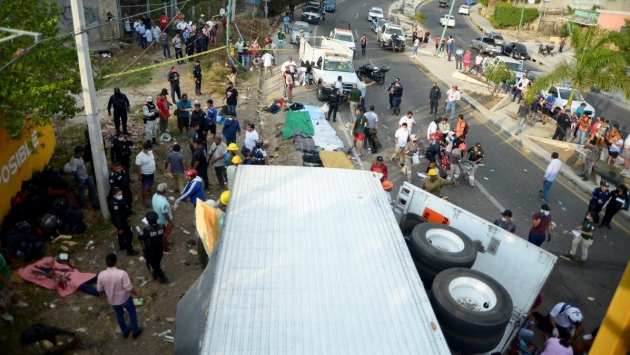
[[295, 31], [311, 14], [515, 50], [449, 19], [375, 12], [498, 38], [514, 65], [444, 3], [378, 23], [385, 33], [485, 45], [562, 91], [330, 5], [464, 10]]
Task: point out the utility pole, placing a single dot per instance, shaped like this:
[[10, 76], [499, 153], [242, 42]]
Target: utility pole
[[520, 23], [91, 111], [450, 11]]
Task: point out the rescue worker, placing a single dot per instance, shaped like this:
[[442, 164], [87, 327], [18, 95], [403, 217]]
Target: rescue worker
[[152, 239], [333, 105], [121, 152], [434, 183], [151, 113], [231, 171], [258, 155], [221, 205], [387, 188], [120, 214], [120, 178], [413, 148], [120, 103], [193, 189], [379, 167]]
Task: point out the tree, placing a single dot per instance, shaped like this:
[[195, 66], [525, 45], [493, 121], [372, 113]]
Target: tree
[[498, 73], [596, 64], [418, 19], [40, 83]]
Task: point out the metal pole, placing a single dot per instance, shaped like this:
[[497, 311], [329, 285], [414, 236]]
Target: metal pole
[[227, 27], [402, 8], [91, 110], [450, 11], [520, 23], [232, 13]]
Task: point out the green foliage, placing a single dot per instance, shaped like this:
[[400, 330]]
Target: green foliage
[[40, 84], [498, 72], [484, 3], [595, 64], [418, 18], [570, 10], [622, 41], [507, 15], [565, 30], [596, 7]]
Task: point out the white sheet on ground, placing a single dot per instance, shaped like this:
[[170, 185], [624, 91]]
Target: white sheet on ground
[[325, 136]]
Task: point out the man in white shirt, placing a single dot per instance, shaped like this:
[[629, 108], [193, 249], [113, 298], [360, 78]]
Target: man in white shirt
[[553, 169], [267, 60], [222, 12], [409, 120], [148, 38], [371, 128], [452, 96], [433, 128], [291, 65], [181, 26], [520, 85], [145, 168], [478, 63], [400, 142]]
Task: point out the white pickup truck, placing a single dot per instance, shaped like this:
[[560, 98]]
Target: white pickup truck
[[326, 269], [329, 60]]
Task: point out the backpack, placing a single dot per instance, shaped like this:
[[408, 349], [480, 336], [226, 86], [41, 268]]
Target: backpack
[[296, 106], [49, 222], [466, 127], [59, 206], [38, 332]]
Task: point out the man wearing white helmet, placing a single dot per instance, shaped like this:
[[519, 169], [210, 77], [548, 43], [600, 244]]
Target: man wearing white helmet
[[151, 113], [564, 318]]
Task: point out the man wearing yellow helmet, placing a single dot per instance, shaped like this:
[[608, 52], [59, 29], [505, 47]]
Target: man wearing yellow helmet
[[231, 171], [435, 183]]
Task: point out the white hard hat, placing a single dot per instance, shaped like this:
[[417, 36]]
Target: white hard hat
[[149, 98], [574, 315], [414, 137]]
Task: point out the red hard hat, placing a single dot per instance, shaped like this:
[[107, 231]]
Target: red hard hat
[[192, 173]]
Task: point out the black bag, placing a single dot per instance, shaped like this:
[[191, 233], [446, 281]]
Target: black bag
[[40, 332], [59, 206], [49, 222], [296, 106], [311, 156], [74, 216], [24, 245]]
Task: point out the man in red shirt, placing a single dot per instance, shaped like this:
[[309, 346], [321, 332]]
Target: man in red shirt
[[164, 22], [162, 105], [541, 224], [379, 167]]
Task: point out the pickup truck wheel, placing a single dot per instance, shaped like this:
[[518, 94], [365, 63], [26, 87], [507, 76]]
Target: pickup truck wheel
[[442, 247], [471, 302], [427, 272], [382, 44], [320, 93], [410, 222], [470, 344]]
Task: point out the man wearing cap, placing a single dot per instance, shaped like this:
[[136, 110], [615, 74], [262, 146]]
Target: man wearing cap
[[599, 197], [379, 167], [519, 86], [506, 222], [162, 207], [197, 75], [541, 224], [401, 137], [586, 233], [217, 152], [163, 106], [193, 189], [173, 79], [121, 105], [434, 183], [231, 171], [231, 98], [553, 169], [387, 188], [198, 115], [151, 113], [475, 154], [121, 151], [411, 149], [452, 96], [120, 178], [184, 107]]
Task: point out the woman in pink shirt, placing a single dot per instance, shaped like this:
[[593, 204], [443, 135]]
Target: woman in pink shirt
[[466, 60], [558, 346], [114, 285]]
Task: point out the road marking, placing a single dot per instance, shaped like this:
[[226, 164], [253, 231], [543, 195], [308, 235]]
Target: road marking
[[357, 15], [349, 140], [364, 4], [494, 201]]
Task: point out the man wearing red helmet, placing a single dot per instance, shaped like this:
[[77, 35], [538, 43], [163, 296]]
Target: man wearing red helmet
[[193, 189]]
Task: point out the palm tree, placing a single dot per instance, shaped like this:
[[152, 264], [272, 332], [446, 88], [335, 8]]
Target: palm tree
[[595, 64]]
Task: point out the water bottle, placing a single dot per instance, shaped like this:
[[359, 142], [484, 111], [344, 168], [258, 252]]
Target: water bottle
[[522, 344]]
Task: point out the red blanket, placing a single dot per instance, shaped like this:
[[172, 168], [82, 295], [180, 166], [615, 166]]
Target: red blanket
[[52, 275]]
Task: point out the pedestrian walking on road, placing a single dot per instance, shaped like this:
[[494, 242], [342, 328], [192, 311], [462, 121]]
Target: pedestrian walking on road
[[506, 222], [364, 42], [586, 235], [358, 129], [591, 159], [397, 93], [541, 224], [618, 199], [553, 169], [391, 95], [452, 96], [333, 105], [354, 98], [522, 113], [435, 95], [371, 128], [416, 44], [459, 56], [400, 142], [466, 60], [599, 197]]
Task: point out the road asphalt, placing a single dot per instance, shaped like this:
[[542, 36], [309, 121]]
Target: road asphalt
[[512, 171]]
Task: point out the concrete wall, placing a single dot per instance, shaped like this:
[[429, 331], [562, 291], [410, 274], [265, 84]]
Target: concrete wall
[[95, 14], [614, 5], [612, 21]]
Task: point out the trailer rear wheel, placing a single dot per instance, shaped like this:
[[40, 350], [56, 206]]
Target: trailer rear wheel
[[471, 302], [411, 220], [470, 344], [442, 246]]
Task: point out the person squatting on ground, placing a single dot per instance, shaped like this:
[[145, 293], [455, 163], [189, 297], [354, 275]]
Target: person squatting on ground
[[152, 239]]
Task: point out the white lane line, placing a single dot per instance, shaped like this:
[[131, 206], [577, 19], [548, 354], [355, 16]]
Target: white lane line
[[349, 140], [488, 195], [357, 16], [364, 4]]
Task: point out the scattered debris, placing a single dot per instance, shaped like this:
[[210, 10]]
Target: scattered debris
[[141, 258], [590, 298], [76, 309], [81, 330], [185, 231], [169, 338], [170, 319], [62, 237], [486, 178], [192, 252], [64, 248], [144, 283], [47, 344], [171, 198], [524, 170], [565, 258], [492, 170], [165, 333]]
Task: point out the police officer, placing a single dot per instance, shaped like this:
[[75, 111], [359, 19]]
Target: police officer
[[333, 105], [151, 113], [120, 213], [121, 152], [435, 94], [258, 155], [391, 95], [120, 178], [120, 103], [152, 238]]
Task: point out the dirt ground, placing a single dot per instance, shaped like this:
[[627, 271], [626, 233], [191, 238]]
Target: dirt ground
[[90, 317]]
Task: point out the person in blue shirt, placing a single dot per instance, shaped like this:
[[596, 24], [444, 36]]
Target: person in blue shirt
[[580, 110], [193, 189], [547, 111], [211, 115]]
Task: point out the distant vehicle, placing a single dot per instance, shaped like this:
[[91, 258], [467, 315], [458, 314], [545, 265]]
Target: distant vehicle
[[450, 19], [562, 91], [385, 33], [317, 4], [444, 3], [295, 31], [464, 10], [515, 50], [330, 5], [514, 65], [471, 2], [485, 45], [498, 38], [375, 12], [311, 14], [342, 24], [378, 23], [345, 36]]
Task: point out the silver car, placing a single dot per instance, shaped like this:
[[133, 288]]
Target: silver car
[[300, 27]]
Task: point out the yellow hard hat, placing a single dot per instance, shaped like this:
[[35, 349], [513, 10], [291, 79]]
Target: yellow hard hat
[[237, 160], [225, 197], [233, 147], [432, 172]]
